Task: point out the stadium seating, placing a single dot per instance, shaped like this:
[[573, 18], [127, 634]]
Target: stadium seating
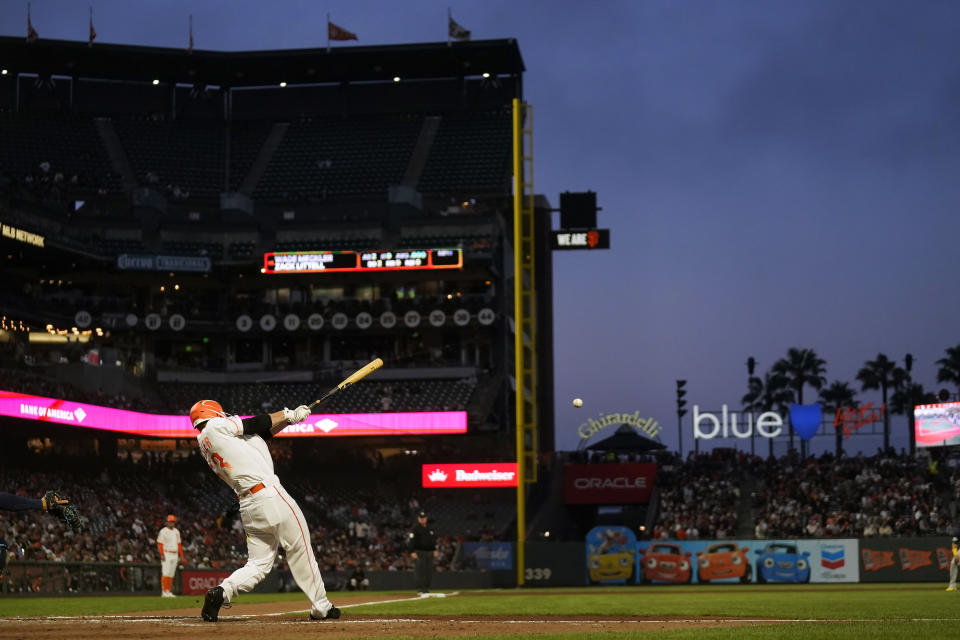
[[70, 144], [156, 149], [470, 155], [370, 397], [327, 158]]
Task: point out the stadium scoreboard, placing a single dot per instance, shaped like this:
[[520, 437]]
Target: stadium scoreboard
[[346, 261]]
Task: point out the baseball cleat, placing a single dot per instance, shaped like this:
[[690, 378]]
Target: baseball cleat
[[212, 603], [332, 614]]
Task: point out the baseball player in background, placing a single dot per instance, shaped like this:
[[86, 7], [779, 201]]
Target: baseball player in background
[[954, 563], [171, 554], [236, 451]]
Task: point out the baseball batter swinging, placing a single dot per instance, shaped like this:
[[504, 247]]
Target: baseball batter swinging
[[236, 451]]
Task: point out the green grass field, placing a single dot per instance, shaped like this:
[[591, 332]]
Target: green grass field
[[835, 612]]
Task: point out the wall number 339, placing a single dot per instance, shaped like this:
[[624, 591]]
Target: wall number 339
[[537, 573]]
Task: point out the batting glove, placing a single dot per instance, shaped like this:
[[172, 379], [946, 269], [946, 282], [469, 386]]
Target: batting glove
[[293, 416]]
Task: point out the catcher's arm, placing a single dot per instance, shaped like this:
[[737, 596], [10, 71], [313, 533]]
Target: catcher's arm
[[61, 507]]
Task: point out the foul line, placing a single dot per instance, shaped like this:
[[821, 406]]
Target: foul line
[[422, 596]]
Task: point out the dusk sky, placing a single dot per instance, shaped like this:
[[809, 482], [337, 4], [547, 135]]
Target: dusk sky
[[775, 174]]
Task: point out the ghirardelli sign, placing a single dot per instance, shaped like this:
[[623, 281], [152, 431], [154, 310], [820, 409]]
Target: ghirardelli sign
[[623, 483]]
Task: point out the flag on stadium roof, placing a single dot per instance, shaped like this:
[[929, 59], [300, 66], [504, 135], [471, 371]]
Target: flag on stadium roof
[[32, 34], [456, 30], [335, 32], [93, 32]]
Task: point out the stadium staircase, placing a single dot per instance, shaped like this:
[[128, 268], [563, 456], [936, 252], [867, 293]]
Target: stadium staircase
[[263, 158], [745, 510], [116, 154], [418, 160]]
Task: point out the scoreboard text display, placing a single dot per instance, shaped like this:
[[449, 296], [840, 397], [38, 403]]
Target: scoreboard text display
[[344, 261]]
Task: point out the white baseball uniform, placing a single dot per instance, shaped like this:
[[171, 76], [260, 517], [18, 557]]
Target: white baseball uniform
[[268, 513], [169, 541]]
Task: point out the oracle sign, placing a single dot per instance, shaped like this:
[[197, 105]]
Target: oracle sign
[[469, 475], [624, 483], [197, 582]]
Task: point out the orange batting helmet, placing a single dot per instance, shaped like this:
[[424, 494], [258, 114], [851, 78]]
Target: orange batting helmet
[[171, 518], [204, 410]]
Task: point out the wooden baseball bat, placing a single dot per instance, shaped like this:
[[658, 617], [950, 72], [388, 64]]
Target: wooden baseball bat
[[356, 376]]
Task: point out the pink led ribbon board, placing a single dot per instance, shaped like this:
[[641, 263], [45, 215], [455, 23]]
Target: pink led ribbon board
[[91, 416]]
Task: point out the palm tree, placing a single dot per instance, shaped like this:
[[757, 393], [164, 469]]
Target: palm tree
[[904, 398], [949, 370], [767, 394], [883, 374], [801, 367], [838, 395]]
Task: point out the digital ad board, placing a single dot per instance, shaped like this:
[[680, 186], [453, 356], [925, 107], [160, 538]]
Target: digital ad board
[[937, 425], [89, 416]]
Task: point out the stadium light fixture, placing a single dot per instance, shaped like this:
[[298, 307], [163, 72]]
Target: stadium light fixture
[[156, 82], [396, 78], [486, 75], [283, 84], [3, 72]]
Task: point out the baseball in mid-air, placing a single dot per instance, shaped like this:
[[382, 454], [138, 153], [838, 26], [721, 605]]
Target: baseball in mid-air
[[577, 402]]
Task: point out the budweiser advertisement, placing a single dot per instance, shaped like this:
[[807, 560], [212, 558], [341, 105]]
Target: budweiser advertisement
[[624, 483], [469, 475], [89, 416]]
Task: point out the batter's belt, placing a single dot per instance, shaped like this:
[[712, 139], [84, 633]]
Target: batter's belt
[[253, 490]]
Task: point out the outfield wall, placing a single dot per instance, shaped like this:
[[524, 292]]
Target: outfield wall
[[557, 564]]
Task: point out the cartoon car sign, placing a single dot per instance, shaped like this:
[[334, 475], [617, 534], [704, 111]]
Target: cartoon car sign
[[723, 560], [604, 567], [610, 554], [780, 562], [667, 563]]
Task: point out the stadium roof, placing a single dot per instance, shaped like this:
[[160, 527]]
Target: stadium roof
[[261, 68]]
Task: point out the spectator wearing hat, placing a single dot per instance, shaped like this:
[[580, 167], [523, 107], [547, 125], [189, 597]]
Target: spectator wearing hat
[[423, 543], [954, 562], [171, 553]]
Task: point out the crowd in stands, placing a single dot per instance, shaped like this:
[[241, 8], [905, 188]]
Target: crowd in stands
[[888, 494], [698, 498], [849, 497], [124, 505]]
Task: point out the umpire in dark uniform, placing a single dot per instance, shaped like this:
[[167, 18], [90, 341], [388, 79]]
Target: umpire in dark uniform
[[423, 542]]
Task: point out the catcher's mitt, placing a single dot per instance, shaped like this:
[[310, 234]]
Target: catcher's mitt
[[61, 507]]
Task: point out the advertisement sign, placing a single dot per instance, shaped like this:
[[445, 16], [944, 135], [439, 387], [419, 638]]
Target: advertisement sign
[[937, 425], [467, 475], [488, 556], [743, 561], [152, 262], [904, 559], [625, 483], [587, 239], [77, 414], [611, 555], [197, 582], [832, 560]]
